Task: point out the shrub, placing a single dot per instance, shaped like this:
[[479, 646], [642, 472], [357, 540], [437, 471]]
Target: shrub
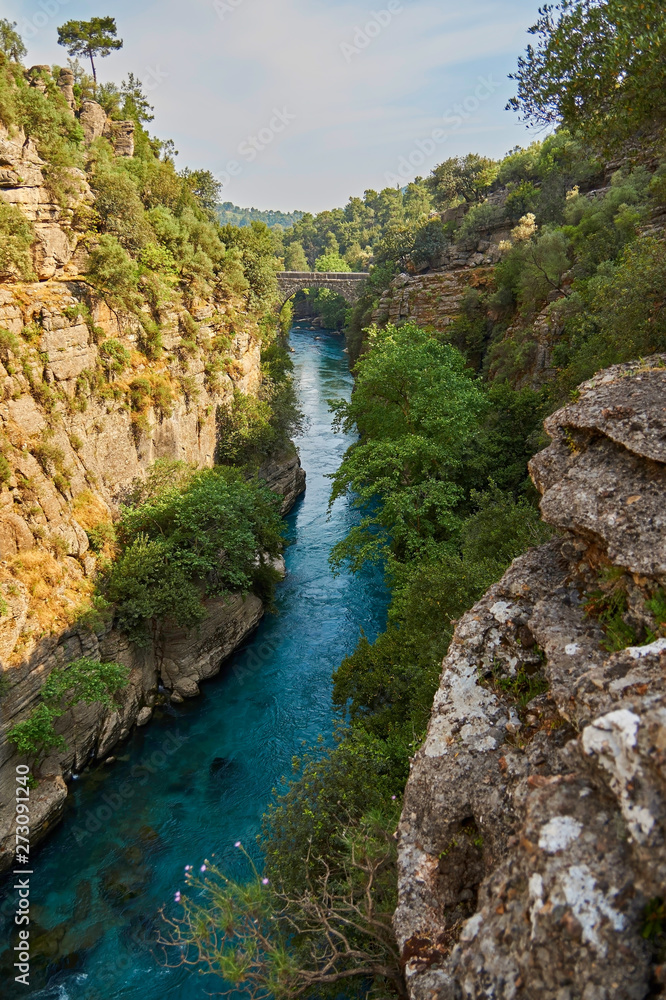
[[16, 238], [171, 544], [120, 209], [140, 393], [616, 316], [35, 737], [115, 356], [430, 242], [84, 680], [250, 429], [113, 273], [100, 536], [480, 218], [9, 344]]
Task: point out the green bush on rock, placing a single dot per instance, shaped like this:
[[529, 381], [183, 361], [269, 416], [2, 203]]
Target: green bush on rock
[[190, 535], [84, 680]]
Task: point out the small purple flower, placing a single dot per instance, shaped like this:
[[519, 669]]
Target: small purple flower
[[177, 897], [264, 881], [237, 844], [188, 868], [203, 868]]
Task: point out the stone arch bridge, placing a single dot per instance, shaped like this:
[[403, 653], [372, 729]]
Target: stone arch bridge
[[349, 284]]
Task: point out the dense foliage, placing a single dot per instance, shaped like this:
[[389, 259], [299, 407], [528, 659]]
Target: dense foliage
[[252, 428], [185, 536], [597, 67]]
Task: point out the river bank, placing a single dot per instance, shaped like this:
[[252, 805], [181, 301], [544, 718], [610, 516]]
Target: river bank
[[200, 776]]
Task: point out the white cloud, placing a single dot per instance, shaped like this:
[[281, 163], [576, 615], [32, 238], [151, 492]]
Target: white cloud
[[354, 117]]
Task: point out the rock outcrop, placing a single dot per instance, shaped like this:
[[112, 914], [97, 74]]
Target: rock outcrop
[[23, 184], [96, 123], [430, 300], [532, 845], [179, 663], [71, 454], [284, 475]]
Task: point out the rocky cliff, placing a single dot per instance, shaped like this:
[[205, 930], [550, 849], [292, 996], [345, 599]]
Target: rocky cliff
[[532, 848], [84, 412], [74, 441]]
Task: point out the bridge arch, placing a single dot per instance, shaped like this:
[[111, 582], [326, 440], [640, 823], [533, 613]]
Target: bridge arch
[[348, 284]]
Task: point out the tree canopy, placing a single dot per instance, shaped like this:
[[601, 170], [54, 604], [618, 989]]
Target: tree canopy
[[96, 37], [11, 43], [462, 177], [598, 67]]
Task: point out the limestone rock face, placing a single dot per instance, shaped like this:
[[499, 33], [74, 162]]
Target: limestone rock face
[[23, 185], [93, 119], [285, 476], [95, 123], [66, 87], [73, 454], [533, 838], [121, 135], [190, 658]]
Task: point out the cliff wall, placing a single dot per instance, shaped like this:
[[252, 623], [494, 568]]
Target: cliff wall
[[84, 412], [532, 845]]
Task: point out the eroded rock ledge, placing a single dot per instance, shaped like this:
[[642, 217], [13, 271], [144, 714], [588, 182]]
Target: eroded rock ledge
[[176, 666], [533, 838]]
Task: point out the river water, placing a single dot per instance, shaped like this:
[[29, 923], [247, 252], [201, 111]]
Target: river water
[[200, 775]]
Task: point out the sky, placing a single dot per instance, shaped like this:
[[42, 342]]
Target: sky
[[299, 104]]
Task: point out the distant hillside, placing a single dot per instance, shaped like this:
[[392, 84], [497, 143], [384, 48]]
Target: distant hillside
[[230, 213]]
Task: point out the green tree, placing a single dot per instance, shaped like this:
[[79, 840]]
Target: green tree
[[170, 546], [462, 178], [96, 37], [206, 187], [135, 102], [16, 238], [295, 259], [36, 737], [257, 253], [331, 261], [11, 43], [597, 67], [113, 273], [417, 200], [416, 407]]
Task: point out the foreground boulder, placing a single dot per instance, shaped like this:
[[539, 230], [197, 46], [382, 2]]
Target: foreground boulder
[[532, 845]]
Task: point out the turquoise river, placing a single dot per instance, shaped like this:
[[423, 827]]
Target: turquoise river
[[203, 772]]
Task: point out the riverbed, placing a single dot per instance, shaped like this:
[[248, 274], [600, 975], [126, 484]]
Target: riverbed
[[200, 776]]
